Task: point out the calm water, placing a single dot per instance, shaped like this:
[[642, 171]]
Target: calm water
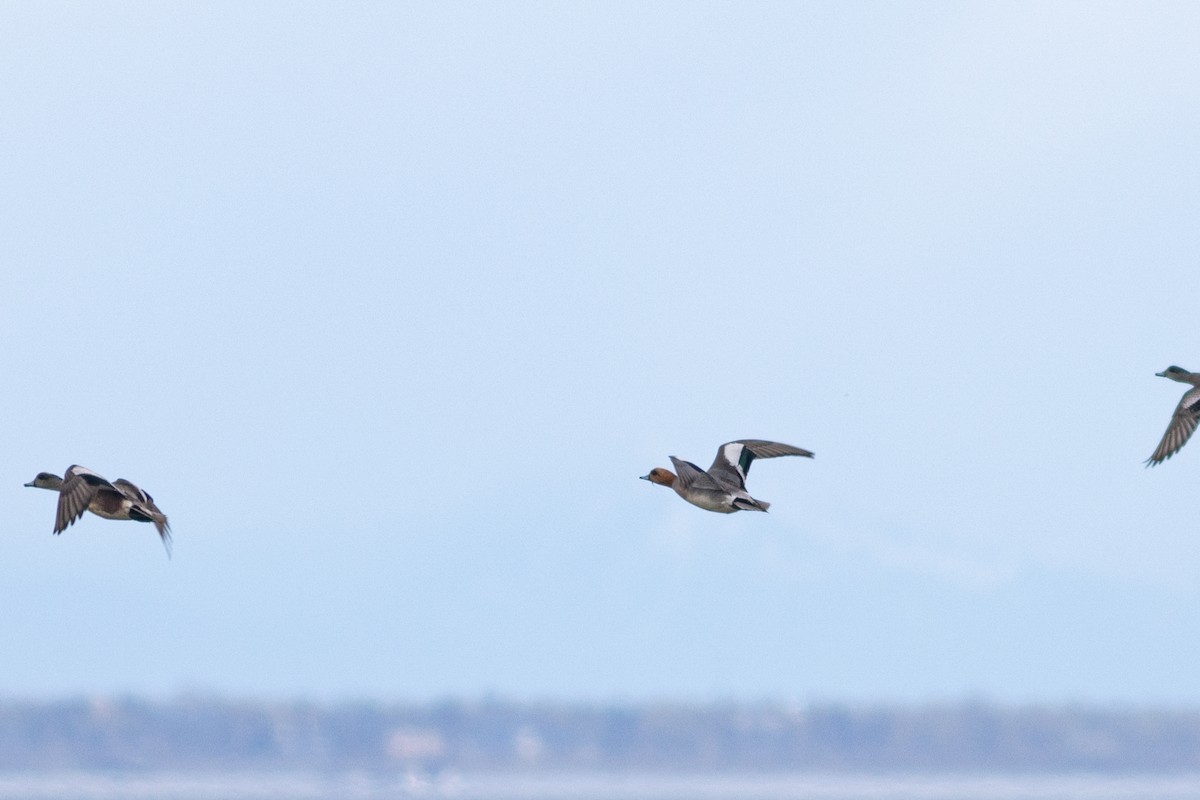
[[107, 786]]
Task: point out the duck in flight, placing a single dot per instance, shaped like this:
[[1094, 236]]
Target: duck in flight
[[723, 487], [83, 490], [1183, 421]]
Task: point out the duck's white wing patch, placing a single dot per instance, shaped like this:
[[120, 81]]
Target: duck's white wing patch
[[85, 474], [727, 468], [731, 454]]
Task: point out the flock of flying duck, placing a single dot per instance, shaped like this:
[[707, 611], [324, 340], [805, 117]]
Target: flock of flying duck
[[720, 488]]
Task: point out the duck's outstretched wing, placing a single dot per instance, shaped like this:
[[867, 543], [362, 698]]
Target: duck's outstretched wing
[[733, 460], [1182, 426], [143, 509], [79, 487], [689, 476]]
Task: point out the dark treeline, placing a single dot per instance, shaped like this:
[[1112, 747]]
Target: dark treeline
[[193, 734]]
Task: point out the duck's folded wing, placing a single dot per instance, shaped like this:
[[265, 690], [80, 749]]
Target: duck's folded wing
[[732, 464], [145, 510], [1182, 426], [79, 487], [133, 492], [689, 476]]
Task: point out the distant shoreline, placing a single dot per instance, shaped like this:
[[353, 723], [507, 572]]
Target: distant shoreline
[[104, 785], [208, 735]]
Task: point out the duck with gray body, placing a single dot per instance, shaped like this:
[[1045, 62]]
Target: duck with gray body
[[1183, 421], [723, 487], [82, 490]]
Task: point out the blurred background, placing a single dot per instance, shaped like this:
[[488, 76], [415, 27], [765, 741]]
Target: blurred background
[[389, 305]]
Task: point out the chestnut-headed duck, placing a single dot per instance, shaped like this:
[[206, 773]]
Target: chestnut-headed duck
[[723, 487], [83, 490], [1183, 421]]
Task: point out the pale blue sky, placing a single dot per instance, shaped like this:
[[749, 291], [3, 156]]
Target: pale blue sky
[[390, 305]]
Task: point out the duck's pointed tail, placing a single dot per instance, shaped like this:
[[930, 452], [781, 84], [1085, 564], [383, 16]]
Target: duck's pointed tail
[[164, 531], [750, 504]]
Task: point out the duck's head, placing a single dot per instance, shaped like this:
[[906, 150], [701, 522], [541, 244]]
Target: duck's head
[[1174, 373], [663, 477], [46, 480]]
